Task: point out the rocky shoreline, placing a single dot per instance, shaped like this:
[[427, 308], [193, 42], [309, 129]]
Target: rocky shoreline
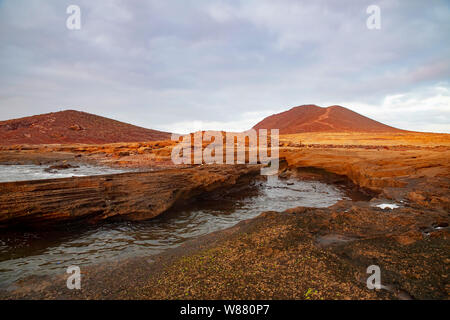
[[131, 196], [302, 253]]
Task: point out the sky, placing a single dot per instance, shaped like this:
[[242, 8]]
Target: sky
[[182, 66]]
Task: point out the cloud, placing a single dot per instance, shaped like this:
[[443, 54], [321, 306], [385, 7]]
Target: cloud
[[170, 64], [423, 109], [241, 123]]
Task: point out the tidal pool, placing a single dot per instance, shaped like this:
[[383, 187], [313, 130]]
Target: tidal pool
[[39, 253]]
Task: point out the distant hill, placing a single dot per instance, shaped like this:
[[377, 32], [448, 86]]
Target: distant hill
[[72, 126], [312, 118]]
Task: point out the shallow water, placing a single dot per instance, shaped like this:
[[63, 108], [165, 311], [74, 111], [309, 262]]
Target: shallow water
[[26, 172], [25, 253]]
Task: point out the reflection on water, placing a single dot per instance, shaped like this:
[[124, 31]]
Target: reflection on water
[[26, 172], [23, 254]]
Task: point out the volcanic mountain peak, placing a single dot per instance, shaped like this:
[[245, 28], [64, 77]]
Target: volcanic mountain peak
[[312, 118], [71, 126]]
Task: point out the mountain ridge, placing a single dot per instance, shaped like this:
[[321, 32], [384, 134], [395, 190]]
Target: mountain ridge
[[312, 118], [72, 126]]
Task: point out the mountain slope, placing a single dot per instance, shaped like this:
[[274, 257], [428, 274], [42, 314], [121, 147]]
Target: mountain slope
[[312, 118], [72, 126]]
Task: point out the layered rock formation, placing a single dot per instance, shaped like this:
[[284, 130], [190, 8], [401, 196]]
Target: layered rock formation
[[134, 196], [302, 253]]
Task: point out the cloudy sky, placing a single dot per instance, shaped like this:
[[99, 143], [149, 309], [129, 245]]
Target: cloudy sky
[[186, 65]]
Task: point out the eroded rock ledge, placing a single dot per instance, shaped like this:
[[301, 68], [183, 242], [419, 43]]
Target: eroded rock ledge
[[133, 196]]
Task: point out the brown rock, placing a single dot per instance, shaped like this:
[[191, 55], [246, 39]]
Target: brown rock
[[124, 153], [408, 237], [134, 196], [76, 127], [416, 197]]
